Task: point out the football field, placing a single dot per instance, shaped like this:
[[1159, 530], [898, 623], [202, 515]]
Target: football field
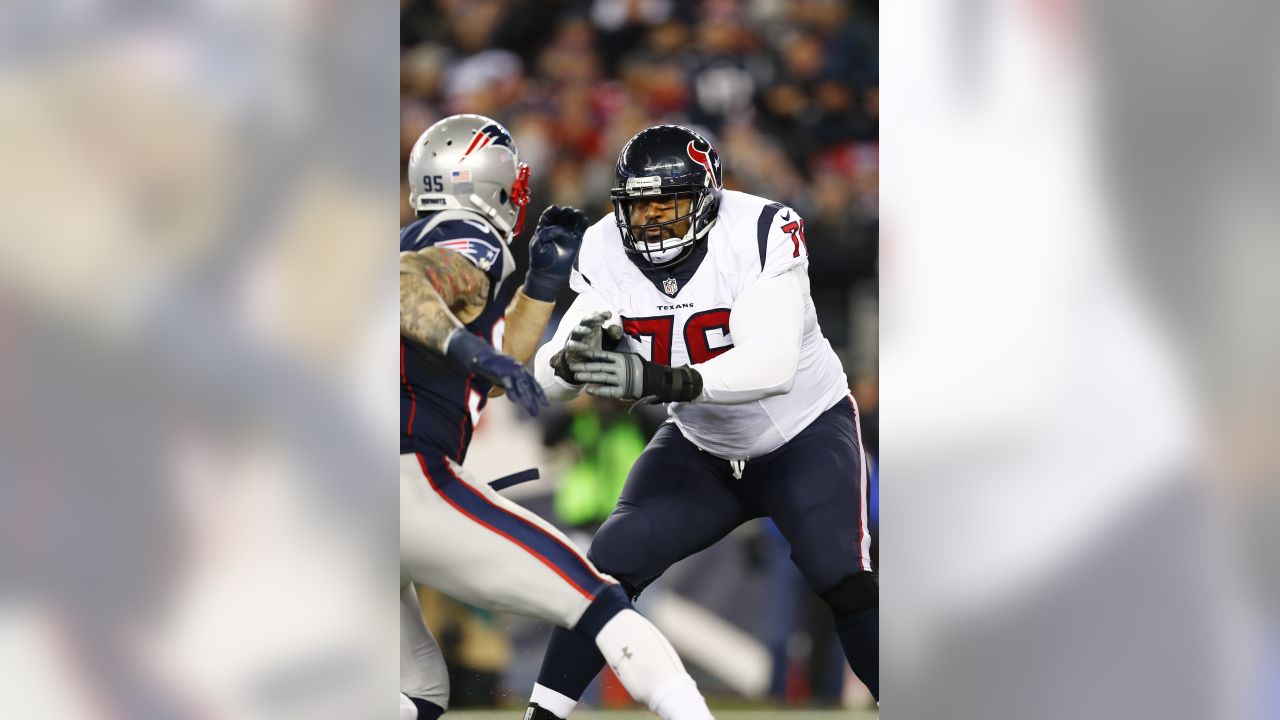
[[647, 715]]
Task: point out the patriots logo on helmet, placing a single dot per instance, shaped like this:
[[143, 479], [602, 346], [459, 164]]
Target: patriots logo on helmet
[[491, 134], [703, 158]]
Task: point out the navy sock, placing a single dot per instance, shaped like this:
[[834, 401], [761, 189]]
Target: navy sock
[[426, 710], [573, 660], [571, 663], [860, 635]]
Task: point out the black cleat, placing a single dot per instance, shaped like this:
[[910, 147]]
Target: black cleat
[[535, 712], [426, 710]]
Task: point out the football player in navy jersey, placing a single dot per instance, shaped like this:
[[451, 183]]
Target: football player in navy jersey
[[697, 296], [465, 331]]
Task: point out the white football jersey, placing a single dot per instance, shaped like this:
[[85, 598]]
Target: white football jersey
[[681, 317]]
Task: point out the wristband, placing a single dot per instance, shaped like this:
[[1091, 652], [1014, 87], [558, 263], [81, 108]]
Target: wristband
[[466, 349], [678, 384], [543, 286]]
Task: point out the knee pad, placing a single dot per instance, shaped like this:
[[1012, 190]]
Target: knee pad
[[622, 549], [855, 593]]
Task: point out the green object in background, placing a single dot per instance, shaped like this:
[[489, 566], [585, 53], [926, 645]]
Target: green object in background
[[591, 488]]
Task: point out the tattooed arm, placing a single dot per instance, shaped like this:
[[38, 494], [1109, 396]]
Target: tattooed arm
[[440, 291]]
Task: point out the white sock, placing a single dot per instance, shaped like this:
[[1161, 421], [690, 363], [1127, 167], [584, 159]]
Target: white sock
[[679, 698], [550, 700], [649, 668], [407, 710]]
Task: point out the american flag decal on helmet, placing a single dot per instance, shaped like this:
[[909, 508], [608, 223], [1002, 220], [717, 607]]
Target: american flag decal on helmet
[[481, 252]]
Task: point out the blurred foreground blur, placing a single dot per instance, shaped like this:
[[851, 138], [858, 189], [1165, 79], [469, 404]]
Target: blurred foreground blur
[[1079, 356], [192, 303]]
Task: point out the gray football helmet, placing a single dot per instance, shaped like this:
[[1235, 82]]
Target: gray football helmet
[[470, 163]]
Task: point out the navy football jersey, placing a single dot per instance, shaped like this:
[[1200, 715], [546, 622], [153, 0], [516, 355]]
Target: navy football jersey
[[439, 403]]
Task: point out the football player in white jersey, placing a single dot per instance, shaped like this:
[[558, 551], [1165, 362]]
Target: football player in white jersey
[[697, 296]]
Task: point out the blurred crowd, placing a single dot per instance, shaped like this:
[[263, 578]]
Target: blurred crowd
[[787, 91], [788, 94]]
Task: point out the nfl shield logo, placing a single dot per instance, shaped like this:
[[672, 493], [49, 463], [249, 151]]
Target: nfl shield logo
[[670, 287]]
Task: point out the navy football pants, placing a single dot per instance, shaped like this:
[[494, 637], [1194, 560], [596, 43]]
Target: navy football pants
[[679, 500]]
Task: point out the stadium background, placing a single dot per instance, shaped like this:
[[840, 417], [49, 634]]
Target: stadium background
[[788, 93]]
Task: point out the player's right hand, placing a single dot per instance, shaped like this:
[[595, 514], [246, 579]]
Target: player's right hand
[[570, 219], [552, 250], [627, 376]]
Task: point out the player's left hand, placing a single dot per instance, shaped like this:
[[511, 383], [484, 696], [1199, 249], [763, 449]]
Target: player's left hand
[[589, 334], [520, 385], [552, 249], [592, 334], [473, 354], [627, 376]]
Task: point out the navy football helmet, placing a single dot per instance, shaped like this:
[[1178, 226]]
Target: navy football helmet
[[667, 161]]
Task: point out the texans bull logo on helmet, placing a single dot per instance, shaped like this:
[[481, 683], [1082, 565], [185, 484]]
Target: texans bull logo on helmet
[[703, 158]]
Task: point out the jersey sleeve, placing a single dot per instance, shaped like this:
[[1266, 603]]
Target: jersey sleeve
[[579, 282], [471, 239], [481, 248], [585, 265], [767, 324], [780, 241]]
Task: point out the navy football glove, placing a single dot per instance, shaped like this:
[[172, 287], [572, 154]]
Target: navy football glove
[[477, 356], [627, 376], [551, 251]]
